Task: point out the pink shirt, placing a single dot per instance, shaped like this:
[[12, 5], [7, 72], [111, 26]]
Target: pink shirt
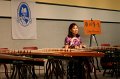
[[74, 41]]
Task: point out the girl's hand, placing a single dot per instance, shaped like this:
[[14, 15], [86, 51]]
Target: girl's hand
[[77, 47], [82, 46]]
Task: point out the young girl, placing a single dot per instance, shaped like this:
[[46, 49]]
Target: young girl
[[73, 41]]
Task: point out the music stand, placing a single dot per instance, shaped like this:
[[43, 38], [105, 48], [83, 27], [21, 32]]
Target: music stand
[[91, 37], [92, 27]]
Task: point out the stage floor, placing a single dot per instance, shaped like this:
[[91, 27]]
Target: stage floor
[[40, 74]]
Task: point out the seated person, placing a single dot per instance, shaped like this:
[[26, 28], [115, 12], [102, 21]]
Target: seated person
[[73, 41]]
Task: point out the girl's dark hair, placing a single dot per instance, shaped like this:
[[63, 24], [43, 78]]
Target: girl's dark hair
[[70, 34]]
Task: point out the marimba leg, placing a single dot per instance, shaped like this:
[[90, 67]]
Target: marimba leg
[[6, 71], [54, 66], [75, 69]]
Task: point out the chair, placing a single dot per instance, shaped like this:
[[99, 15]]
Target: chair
[[31, 48], [105, 44], [35, 59]]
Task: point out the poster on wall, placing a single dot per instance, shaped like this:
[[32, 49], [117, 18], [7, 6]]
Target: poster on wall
[[92, 27], [23, 19]]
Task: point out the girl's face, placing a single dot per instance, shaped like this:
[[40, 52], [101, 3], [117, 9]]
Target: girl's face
[[74, 30]]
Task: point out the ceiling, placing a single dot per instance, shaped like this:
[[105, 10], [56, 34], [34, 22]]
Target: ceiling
[[104, 4]]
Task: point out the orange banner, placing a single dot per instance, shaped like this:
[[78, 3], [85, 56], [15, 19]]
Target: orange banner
[[92, 27]]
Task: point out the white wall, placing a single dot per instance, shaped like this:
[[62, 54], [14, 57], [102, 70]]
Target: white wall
[[65, 12], [52, 33], [73, 13]]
